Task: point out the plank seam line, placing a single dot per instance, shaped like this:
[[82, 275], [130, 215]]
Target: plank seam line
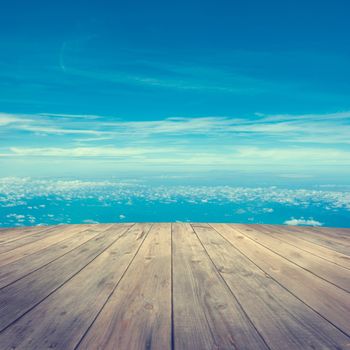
[[39, 230], [318, 244], [282, 284], [36, 240], [338, 238], [62, 284], [204, 314], [172, 290], [46, 247], [30, 234], [267, 232], [287, 310], [292, 262], [40, 267], [113, 290], [230, 290]]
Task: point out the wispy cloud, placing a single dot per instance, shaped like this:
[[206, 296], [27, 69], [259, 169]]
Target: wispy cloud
[[300, 128], [43, 123], [180, 156], [86, 151], [259, 123], [155, 73], [262, 141], [93, 139], [8, 119], [62, 115]]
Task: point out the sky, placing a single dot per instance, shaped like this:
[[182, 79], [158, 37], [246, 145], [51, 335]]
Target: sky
[[231, 91]]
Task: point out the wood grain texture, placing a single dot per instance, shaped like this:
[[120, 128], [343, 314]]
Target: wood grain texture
[[174, 286], [30, 247], [337, 275], [315, 249], [25, 265], [323, 297], [206, 315], [138, 314], [320, 239], [28, 236], [11, 234], [279, 317], [19, 297], [337, 234], [79, 300]]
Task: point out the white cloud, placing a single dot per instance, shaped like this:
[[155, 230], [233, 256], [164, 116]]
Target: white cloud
[[178, 155], [89, 221], [303, 222], [295, 155], [16, 190], [309, 128], [7, 119], [240, 211], [18, 193], [94, 139], [43, 123], [62, 115], [85, 151], [278, 143]]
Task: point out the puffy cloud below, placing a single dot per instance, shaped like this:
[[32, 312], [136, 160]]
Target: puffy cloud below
[[303, 222], [29, 201], [18, 189]]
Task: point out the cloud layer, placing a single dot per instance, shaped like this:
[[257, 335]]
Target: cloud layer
[[303, 222], [26, 201], [261, 141]]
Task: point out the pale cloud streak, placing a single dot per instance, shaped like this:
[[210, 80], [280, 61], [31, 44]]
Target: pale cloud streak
[[86, 151], [182, 156], [298, 128], [297, 141]]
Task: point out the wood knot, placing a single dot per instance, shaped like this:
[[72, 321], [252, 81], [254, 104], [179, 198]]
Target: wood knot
[[148, 306]]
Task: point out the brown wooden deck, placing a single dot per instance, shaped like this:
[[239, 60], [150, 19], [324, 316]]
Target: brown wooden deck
[[182, 286]]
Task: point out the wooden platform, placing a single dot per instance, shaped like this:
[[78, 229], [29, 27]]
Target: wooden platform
[[182, 286]]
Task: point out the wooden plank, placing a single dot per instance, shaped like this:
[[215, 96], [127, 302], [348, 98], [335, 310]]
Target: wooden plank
[[53, 231], [10, 231], [233, 289], [319, 239], [283, 320], [206, 315], [337, 275], [19, 297], [12, 234], [338, 231], [340, 235], [49, 238], [60, 321], [315, 249], [138, 314], [22, 267], [328, 300]]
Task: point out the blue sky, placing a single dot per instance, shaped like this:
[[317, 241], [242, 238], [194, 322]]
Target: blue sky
[[107, 87]]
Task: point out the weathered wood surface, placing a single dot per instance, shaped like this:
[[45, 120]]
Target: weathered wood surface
[[174, 286]]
